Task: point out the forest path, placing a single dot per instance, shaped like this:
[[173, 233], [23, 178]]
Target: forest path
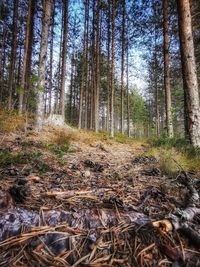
[[96, 165], [99, 191]]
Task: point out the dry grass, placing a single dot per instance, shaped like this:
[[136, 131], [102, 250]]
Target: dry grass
[[11, 121], [62, 137], [170, 160], [89, 137]]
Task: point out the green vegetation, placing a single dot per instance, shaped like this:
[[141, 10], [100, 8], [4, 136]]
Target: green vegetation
[[174, 154], [8, 158]]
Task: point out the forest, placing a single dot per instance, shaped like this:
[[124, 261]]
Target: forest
[[99, 133]]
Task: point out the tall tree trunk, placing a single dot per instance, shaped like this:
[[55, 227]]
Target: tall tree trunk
[[127, 84], [83, 72], [122, 64], [189, 71], [64, 59], [27, 52], [71, 87], [168, 104], [13, 54], [112, 69], [108, 70], [97, 80], [47, 7], [57, 93], [92, 57], [155, 82], [3, 61], [87, 65], [51, 59], [28, 85], [19, 66]]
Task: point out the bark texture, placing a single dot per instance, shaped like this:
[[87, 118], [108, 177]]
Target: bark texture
[[112, 70], [47, 7], [64, 58], [13, 54], [189, 72], [27, 52], [122, 64], [168, 102]]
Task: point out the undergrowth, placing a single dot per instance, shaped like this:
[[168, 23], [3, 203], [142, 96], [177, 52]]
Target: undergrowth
[[10, 121], [8, 159], [175, 154]]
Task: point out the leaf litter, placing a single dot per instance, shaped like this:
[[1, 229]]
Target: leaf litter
[[97, 207]]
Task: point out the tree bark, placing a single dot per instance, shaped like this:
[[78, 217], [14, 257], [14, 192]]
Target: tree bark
[[97, 79], [47, 7], [87, 65], [57, 93], [13, 54], [122, 64], [83, 69], [108, 70], [27, 52], [51, 59], [127, 84], [112, 69], [3, 61], [155, 82], [168, 105], [64, 59], [92, 112], [189, 71]]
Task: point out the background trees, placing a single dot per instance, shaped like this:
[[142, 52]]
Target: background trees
[[87, 59]]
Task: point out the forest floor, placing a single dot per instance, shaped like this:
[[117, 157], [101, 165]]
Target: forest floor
[[75, 199]]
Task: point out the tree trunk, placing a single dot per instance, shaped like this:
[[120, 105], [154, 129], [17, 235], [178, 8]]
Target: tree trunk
[[189, 71], [57, 93], [128, 102], [13, 54], [83, 72], [27, 52], [47, 7], [87, 65], [108, 70], [51, 59], [112, 69], [71, 87], [3, 61], [64, 59], [122, 65], [92, 111], [97, 80], [28, 85], [155, 83], [168, 105]]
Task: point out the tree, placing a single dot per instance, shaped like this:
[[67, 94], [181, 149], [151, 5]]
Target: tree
[[51, 58], [189, 72], [168, 106], [112, 69], [13, 54], [47, 7], [108, 68], [84, 64], [64, 58], [97, 74], [122, 64], [27, 52]]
